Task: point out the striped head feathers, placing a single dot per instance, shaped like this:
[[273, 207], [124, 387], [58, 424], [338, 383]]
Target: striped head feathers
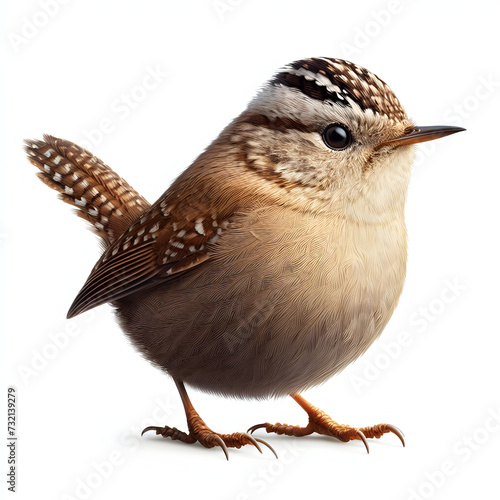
[[320, 125]]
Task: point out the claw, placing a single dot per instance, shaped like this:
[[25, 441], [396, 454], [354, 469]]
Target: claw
[[255, 427], [150, 428], [222, 445], [253, 441], [268, 445], [398, 433], [363, 438]]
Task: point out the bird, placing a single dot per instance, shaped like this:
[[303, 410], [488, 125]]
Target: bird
[[274, 260]]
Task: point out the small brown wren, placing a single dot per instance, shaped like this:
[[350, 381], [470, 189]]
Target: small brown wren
[[274, 260]]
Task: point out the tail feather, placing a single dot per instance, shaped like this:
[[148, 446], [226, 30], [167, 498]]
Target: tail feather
[[100, 196]]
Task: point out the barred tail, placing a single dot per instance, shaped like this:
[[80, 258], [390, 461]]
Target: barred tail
[[100, 195]]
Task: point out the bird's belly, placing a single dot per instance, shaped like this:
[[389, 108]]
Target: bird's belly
[[287, 311]]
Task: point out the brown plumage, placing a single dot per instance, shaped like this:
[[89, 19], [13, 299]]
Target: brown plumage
[[100, 196], [275, 259]]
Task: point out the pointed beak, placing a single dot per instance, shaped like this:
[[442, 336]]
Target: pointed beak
[[423, 134]]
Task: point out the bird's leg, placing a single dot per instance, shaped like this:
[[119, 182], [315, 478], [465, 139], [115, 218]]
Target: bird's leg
[[199, 430], [321, 423]]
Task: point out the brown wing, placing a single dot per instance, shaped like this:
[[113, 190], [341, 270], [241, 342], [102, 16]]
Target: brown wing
[[167, 239]]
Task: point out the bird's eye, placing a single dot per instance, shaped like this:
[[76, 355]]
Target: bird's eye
[[337, 136]]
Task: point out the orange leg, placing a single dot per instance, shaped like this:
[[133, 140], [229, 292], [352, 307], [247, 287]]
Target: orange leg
[[321, 423], [199, 430]]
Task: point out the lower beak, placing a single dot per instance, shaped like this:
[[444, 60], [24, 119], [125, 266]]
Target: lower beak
[[423, 134]]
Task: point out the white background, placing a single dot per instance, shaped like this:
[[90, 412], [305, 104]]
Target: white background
[[435, 370]]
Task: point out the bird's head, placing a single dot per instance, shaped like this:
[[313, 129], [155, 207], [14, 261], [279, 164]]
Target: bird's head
[[334, 133]]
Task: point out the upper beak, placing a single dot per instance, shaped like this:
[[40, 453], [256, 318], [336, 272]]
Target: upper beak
[[423, 134]]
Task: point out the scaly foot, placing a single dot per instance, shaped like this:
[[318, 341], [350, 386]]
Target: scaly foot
[[321, 423], [199, 431]]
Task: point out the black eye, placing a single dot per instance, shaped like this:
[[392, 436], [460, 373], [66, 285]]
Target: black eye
[[337, 136]]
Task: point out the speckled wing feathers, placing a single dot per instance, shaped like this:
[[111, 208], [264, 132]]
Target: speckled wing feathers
[[159, 244]]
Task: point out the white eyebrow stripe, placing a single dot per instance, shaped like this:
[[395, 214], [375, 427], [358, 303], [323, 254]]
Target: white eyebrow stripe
[[317, 77]]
